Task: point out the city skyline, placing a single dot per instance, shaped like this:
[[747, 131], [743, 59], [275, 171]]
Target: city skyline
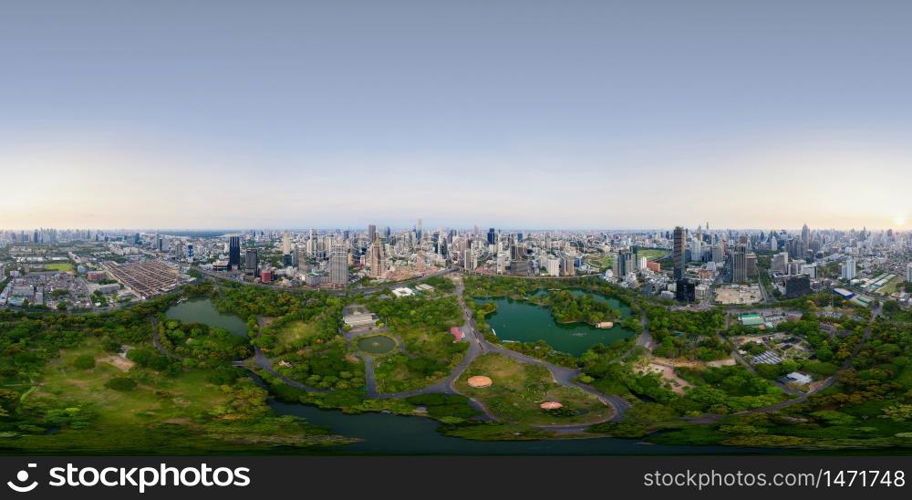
[[585, 117]]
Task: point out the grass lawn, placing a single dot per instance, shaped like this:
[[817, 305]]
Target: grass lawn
[[63, 267], [892, 285], [652, 253], [182, 413], [519, 388], [602, 262], [294, 332], [428, 357]]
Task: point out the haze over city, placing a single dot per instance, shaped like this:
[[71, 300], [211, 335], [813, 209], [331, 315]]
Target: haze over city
[[590, 115]]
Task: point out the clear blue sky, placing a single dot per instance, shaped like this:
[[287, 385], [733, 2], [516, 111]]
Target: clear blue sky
[[507, 113]]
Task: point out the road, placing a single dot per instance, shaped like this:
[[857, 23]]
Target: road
[[828, 382], [478, 345]]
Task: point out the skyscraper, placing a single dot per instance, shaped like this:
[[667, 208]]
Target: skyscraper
[[371, 233], [234, 252], [848, 268], [377, 259], [338, 266], [678, 252], [286, 244], [492, 236], [251, 262], [739, 265]]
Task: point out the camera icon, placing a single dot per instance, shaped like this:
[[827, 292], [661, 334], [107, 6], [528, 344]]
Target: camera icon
[[22, 476]]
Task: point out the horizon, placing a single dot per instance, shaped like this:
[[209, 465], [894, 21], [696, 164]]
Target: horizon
[[434, 227], [589, 115]]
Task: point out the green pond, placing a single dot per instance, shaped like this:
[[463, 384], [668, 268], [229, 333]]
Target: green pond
[[203, 311], [377, 344], [526, 322]]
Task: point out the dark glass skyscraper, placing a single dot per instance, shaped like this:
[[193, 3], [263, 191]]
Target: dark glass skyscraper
[[679, 253], [234, 252]]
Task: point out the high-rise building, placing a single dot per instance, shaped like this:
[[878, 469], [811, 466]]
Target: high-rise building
[[371, 233], [469, 261], [739, 265], [568, 266], [492, 236], [338, 266], [234, 252], [286, 244], [780, 263], [626, 264], [679, 253], [377, 259], [909, 272], [251, 262], [848, 268]]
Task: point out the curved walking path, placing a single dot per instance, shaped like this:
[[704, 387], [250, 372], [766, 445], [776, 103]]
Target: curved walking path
[[478, 345]]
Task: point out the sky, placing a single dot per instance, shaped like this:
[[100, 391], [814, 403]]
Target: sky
[[517, 114]]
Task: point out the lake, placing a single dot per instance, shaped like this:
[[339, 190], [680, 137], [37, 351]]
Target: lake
[[527, 322], [203, 311], [388, 434]]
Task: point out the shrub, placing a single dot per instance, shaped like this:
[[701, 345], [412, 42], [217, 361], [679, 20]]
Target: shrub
[[84, 362], [121, 384]]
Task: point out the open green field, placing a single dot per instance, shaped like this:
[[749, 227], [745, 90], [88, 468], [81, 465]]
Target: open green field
[[63, 267], [295, 333], [602, 262], [892, 286], [165, 413], [652, 253], [519, 388]]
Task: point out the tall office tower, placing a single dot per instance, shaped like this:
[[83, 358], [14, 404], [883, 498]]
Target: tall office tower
[[251, 262], [190, 252], [739, 265], [492, 236], [338, 266], [718, 256], [371, 233], [678, 252], [568, 266], [418, 230], [780, 263], [696, 251], [286, 244], [805, 233], [234, 252], [626, 264], [469, 261], [302, 262], [848, 269], [909, 272], [750, 260], [377, 259]]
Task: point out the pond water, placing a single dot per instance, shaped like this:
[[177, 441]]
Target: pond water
[[376, 344], [203, 311], [388, 434], [526, 322]]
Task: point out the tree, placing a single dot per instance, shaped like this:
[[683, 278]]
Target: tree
[[84, 362], [122, 384]]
